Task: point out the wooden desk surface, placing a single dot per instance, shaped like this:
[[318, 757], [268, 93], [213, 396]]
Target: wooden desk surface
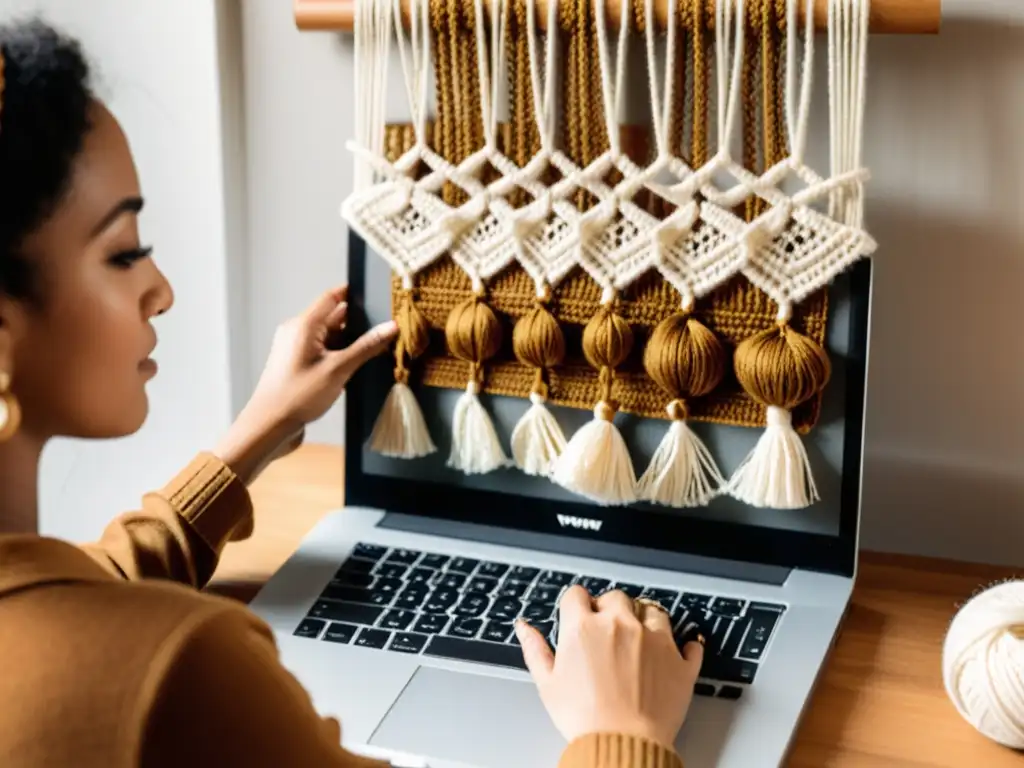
[[881, 700]]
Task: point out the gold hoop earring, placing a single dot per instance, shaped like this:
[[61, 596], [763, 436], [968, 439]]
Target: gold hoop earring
[[10, 409]]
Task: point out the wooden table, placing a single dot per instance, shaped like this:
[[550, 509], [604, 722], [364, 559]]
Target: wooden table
[[881, 701]]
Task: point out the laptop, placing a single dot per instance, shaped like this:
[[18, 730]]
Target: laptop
[[396, 611]]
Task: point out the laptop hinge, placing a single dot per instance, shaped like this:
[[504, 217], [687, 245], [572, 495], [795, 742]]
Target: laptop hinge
[[629, 555]]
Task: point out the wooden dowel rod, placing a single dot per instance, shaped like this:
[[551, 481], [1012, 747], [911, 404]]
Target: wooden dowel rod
[[892, 17]]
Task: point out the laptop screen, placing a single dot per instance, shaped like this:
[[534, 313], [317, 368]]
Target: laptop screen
[[820, 536]]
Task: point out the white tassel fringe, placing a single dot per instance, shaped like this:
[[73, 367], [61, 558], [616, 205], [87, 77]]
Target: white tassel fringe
[[537, 440], [682, 472], [596, 463], [776, 473], [400, 430], [476, 449]]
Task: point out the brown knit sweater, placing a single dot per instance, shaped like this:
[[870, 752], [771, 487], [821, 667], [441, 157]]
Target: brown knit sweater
[[111, 656]]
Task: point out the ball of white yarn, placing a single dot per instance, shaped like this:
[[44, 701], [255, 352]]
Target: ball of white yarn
[[983, 663]]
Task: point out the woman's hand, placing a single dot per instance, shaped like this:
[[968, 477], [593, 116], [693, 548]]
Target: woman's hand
[[301, 380], [613, 673]]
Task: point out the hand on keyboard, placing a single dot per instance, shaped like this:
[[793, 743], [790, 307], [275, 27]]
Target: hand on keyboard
[[613, 671]]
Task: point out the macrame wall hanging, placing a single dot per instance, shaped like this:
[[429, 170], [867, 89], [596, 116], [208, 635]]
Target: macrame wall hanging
[[547, 246]]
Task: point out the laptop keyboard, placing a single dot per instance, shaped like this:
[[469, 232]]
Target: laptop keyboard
[[408, 601]]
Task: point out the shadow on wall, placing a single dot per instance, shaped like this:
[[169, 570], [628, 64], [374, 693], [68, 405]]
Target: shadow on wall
[[944, 469]]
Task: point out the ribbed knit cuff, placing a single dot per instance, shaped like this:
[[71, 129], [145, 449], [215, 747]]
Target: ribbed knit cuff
[[617, 750], [211, 498]]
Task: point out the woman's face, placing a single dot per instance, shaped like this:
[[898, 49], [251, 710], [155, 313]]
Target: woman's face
[[79, 354]]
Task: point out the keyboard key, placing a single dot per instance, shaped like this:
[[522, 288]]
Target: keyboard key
[[494, 570], [694, 600], [538, 611], [479, 651], [665, 597], [340, 633], [465, 627], [594, 585], [732, 639], [555, 579], [523, 573], [730, 692], [728, 670], [440, 600], [355, 566], [403, 556], [484, 584], [505, 608], [513, 588], [463, 565], [420, 575], [631, 590], [392, 570], [717, 639], [372, 638], [387, 585], [544, 594], [431, 623], [452, 580], [309, 628], [728, 606], [369, 551], [350, 612], [497, 631], [397, 619], [434, 561], [756, 606], [546, 628], [762, 624], [472, 604], [413, 596], [334, 591], [408, 642], [704, 689], [353, 579]]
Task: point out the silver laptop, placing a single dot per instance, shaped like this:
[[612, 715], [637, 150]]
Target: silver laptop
[[396, 611]]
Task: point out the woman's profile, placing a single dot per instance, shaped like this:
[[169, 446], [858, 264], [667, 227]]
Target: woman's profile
[[112, 653]]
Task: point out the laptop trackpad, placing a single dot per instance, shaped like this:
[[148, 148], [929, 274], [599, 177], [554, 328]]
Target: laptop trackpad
[[480, 720]]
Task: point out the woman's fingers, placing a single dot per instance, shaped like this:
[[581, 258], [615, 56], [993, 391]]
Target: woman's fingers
[[615, 601], [325, 303], [575, 603], [536, 652], [336, 317], [369, 345], [655, 618]]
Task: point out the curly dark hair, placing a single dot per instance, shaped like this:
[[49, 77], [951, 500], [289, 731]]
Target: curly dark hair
[[44, 119]]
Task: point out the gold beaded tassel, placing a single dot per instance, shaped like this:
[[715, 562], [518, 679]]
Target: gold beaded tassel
[[686, 359], [400, 430], [473, 332], [538, 341], [596, 463]]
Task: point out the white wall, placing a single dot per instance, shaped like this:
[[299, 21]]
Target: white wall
[[945, 453], [158, 69]]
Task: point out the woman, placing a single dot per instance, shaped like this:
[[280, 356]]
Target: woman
[[111, 656]]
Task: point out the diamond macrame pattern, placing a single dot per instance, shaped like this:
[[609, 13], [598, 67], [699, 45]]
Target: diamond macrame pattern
[[545, 230], [481, 229], [397, 217], [806, 255], [796, 249], [615, 242]]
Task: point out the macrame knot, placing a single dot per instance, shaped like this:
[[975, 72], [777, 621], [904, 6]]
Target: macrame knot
[[684, 357], [779, 417], [537, 339], [473, 331], [604, 411], [607, 338], [781, 367], [413, 328], [677, 410]]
